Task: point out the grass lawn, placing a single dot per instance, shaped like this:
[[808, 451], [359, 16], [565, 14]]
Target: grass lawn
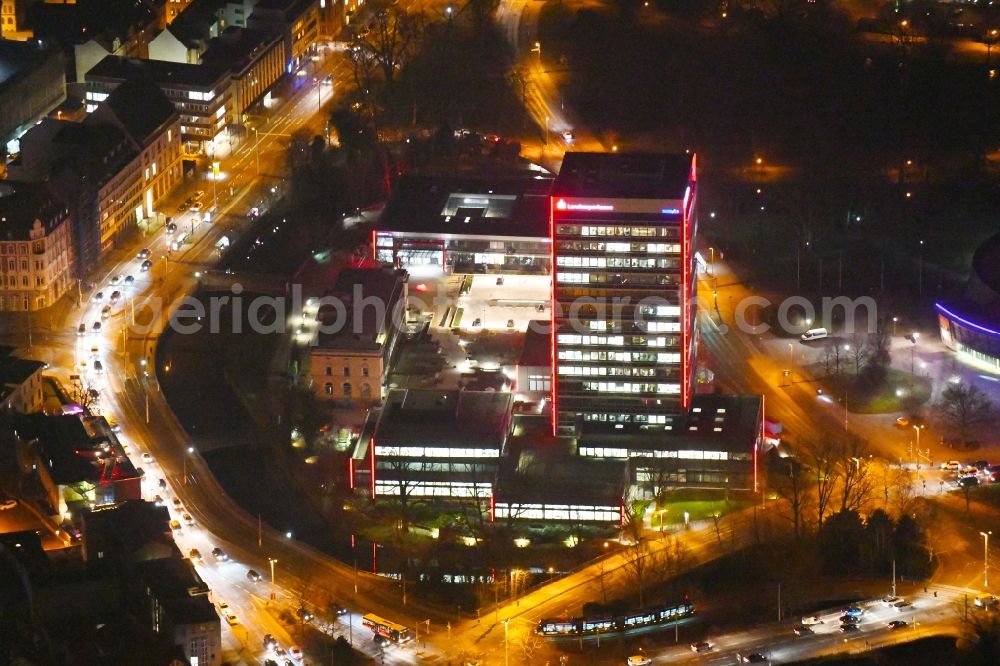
[[899, 392], [698, 509]]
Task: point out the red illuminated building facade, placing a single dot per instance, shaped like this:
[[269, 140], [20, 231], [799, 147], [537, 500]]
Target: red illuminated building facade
[[623, 229]]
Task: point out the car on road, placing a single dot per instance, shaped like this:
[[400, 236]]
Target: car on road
[[106, 312], [194, 554], [270, 642], [897, 624], [158, 501], [638, 660], [902, 605], [146, 265], [219, 554], [304, 614], [980, 465], [985, 601], [115, 296], [968, 481], [129, 281], [951, 466], [162, 483], [96, 328], [146, 458], [253, 576], [8, 504], [188, 520], [174, 525], [197, 206], [848, 628], [183, 207], [802, 630], [337, 609], [223, 605], [701, 646], [113, 423], [903, 421], [853, 611], [567, 136], [889, 600], [848, 619], [171, 228], [197, 195], [811, 619], [177, 504], [231, 618], [115, 279], [81, 329], [98, 296], [751, 658], [295, 652], [144, 253], [98, 367]]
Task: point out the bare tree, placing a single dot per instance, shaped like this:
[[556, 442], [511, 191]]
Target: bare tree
[[83, 393], [823, 456], [638, 563], [393, 35], [526, 642], [795, 490], [859, 351], [964, 406], [858, 481]]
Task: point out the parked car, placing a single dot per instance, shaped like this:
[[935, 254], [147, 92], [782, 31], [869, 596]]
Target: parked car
[[147, 458], [701, 646], [115, 279], [96, 328], [174, 525], [253, 576], [106, 312], [902, 605], [171, 228], [951, 466], [188, 520], [158, 501], [219, 554], [81, 329], [183, 207], [177, 504], [129, 281], [985, 601], [968, 481], [197, 206], [889, 600], [897, 624], [98, 296], [223, 606], [98, 367], [231, 618], [270, 641], [115, 296]]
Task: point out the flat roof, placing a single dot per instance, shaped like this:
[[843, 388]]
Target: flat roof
[[367, 295], [163, 73], [543, 476], [17, 59], [179, 588], [624, 175], [469, 206], [715, 423], [537, 348], [444, 418]]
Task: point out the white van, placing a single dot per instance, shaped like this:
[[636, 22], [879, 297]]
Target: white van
[[814, 334]]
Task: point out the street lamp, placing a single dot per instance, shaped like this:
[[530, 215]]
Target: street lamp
[[272, 561], [986, 558], [918, 428], [188, 452], [894, 320], [256, 136], [537, 48]]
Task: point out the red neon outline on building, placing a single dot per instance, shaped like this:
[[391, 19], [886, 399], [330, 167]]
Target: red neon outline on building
[[493, 508], [552, 318], [685, 259], [373, 468], [374, 246], [756, 445], [350, 472]]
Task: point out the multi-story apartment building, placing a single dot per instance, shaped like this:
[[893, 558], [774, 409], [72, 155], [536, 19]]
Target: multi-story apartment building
[[623, 328], [36, 246], [199, 93], [350, 361], [256, 62], [32, 83], [296, 21], [140, 110], [20, 382]]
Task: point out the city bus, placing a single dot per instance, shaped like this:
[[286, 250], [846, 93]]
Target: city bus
[[396, 633]]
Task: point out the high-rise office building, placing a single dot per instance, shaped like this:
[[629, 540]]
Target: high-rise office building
[[623, 229]]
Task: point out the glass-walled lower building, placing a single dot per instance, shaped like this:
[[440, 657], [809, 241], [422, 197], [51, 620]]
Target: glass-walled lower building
[[972, 332]]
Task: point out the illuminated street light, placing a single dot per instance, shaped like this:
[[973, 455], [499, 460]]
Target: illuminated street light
[[986, 558], [537, 48], [188, 452]]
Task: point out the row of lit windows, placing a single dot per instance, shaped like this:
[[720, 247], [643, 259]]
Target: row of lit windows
[[539, 383], [615, 340], [604, 371], [661, 310], [611, 262], [618, 231], [434, 452], [638, 280], [606, 452], [482, 469], [634, 248], [631, 387], [557, 512], [434, 488], [605, 326], [603, 417]]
